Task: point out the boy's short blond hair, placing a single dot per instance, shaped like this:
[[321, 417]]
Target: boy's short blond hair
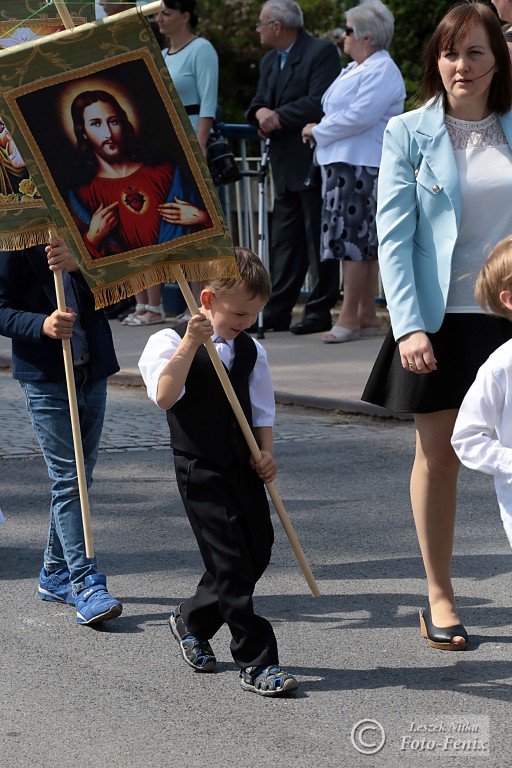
[[253, 277], [495, 277]]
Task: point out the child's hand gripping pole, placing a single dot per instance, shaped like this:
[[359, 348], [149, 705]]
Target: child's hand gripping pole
[[251, 442]]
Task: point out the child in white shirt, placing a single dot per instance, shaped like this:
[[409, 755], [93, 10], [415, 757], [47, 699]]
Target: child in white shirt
[[482, 436], [221, 485]]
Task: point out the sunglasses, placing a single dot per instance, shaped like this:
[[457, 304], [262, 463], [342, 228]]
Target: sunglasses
[[348, 31]]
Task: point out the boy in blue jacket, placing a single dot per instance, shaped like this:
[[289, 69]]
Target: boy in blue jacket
[[30, 317]]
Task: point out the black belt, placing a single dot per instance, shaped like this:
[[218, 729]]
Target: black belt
[[192, 109]]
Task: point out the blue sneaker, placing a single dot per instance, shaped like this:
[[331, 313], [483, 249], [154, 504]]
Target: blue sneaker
[[55, 586], [94, 603]]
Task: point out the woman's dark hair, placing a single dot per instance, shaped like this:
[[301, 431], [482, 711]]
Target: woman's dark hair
[[455, 26], [184, 6]]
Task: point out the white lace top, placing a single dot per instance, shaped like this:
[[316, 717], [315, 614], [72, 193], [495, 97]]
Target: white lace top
[[484, 162]]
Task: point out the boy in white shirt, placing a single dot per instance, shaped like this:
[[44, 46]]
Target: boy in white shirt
[[221, 485], [482, 436]]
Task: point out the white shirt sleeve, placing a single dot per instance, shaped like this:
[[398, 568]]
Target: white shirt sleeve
[[161, 347], [158, 351], [261, 391], [481, 413]]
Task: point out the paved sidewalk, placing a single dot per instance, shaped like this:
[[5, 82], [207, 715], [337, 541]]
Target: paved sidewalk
[[306, 371]]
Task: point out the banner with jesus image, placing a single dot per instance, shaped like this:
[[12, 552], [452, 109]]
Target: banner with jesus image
[[118, 164], [24, 219]]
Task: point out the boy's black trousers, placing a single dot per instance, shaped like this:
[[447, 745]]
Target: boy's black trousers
[[228, 510]]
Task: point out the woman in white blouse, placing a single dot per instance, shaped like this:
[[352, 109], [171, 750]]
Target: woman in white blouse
[[443, 203], [357, 107]]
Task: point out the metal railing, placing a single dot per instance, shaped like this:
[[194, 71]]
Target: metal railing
[[241, 201]]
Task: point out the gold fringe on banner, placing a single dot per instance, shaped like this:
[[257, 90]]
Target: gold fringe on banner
[[193, 271], [26, 238]]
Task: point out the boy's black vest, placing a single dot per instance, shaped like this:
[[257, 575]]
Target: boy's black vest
[[202, 423]]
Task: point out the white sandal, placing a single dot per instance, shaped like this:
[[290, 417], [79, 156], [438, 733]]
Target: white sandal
[[139, 310], [338, 334], [155, 310]]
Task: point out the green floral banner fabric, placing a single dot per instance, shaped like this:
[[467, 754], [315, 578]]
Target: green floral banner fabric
[[112, 161], [24, 219]]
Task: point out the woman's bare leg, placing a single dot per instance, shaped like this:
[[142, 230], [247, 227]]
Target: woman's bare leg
[[433, 497], [354, 277]]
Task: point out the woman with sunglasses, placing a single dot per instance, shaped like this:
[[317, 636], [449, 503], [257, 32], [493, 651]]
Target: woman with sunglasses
[[357, 107]]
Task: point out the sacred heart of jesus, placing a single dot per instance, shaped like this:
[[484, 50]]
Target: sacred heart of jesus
[[134, 200]]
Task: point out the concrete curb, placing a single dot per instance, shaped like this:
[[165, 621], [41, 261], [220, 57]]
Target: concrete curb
[[335, 404], [131, 379]]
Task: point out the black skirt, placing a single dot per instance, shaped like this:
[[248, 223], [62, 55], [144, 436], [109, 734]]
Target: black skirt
[[461, 345]]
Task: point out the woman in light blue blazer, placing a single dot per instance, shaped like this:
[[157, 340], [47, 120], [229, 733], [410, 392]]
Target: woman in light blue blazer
[[444, 196]]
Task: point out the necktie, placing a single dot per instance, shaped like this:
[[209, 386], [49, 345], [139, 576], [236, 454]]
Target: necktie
[[223, 349]]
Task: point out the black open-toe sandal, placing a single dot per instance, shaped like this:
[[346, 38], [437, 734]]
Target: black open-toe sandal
[[441, 637]]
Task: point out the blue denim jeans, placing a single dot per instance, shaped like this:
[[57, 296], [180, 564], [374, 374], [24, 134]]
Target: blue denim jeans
[[48, 406]]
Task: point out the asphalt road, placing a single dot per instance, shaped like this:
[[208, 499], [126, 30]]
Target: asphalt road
[[121, 696]]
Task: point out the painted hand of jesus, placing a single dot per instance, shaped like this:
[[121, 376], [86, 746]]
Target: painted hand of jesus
[[181, 212], [103, 221]]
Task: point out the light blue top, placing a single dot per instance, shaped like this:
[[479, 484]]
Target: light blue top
[[418, 217], [195, 73]]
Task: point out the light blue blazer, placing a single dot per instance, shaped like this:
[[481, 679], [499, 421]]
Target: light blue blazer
[[418, 216]]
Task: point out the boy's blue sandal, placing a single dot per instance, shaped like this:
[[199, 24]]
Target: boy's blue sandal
[[94, 604], [197, 653], [56, 586], [268, 681]]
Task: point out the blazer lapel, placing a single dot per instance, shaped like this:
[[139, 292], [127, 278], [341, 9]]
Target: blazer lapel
[[273, 77], [292, 60], [435, 145], [506, 123]]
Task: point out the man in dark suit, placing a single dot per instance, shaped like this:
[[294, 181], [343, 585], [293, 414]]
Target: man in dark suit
[[293, 78]]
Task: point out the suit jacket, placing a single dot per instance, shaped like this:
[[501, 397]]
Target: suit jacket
[[295, 92], [418, 217], [27, 297]]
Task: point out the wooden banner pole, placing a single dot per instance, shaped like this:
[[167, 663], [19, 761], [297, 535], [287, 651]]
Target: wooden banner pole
[[75, 422], [251, 442], [70, 374], [64, 14], [151, 8]]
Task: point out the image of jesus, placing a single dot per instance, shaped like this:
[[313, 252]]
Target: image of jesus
[[124, 200]]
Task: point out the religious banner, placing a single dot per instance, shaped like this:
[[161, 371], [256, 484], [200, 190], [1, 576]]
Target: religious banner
[[113, 156], [24, 218], [24, 20]]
